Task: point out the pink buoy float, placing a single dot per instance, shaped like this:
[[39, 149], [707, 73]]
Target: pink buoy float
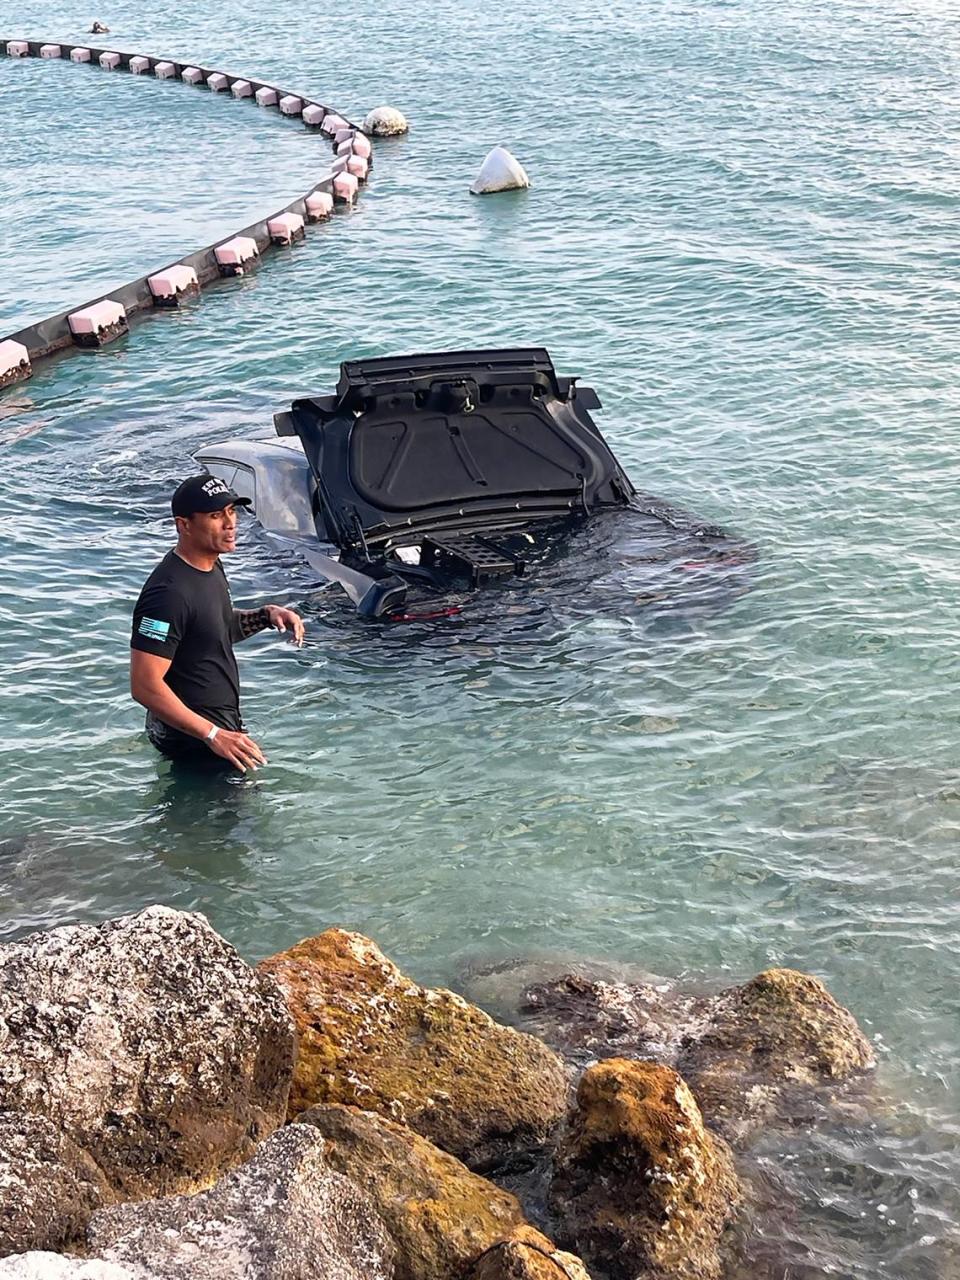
[[109, 61], [165, 71], [139, 64], [242, 89], [266, 97], [79, 55], [345, 187], [218, 82], [98, 324], [313, 115], [358, 166], [51, 51], [235, 257], [291, 105], [332, 122], [319, 206], [171, 286], [285, 228], [18, 49], [191, 75], [361, 146], [14, 363]]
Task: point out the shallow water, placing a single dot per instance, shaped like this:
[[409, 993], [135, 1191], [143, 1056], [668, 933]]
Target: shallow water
[[742, 233]]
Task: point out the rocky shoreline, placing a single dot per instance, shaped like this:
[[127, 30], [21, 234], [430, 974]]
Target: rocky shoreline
[[167, 1111]]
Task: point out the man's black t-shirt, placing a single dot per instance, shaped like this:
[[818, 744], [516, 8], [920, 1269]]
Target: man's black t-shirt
[[185, 614]]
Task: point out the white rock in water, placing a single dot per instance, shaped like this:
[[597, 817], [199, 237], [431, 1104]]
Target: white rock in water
[[385, 122], [501, 171]]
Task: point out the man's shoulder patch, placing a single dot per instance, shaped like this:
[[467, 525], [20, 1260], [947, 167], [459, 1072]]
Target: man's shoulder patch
[[153, 629]]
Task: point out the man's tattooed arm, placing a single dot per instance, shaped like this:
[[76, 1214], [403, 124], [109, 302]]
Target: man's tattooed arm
[[247, 622]]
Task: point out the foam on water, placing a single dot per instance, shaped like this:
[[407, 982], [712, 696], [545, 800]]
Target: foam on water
[[742, 232]]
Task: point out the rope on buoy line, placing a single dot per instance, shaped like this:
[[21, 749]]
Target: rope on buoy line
[[107, 317]]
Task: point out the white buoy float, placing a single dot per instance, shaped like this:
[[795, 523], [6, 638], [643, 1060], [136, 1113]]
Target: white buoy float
[[500, 171], [385, 122]]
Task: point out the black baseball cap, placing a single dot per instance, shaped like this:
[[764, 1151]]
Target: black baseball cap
[[204, 493]]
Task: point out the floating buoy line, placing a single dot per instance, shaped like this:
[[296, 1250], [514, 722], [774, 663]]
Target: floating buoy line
[[106, 318]]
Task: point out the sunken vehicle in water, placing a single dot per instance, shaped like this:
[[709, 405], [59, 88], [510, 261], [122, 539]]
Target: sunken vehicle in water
[[444, 472]]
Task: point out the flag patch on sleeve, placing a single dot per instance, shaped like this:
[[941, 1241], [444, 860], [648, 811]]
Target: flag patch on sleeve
[[154, 630]]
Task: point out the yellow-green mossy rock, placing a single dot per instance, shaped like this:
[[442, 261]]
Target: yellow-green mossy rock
[[528, 1255], [369, 1037], [440, 1216], [781, 1029], [640, 1186]]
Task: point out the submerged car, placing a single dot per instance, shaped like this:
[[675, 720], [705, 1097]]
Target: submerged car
[[439, 472]]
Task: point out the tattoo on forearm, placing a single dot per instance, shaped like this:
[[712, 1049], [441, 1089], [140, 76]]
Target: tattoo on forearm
[[250, 621]]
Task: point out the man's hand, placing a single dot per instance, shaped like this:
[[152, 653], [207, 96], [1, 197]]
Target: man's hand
[[241, 750], [283, 619]]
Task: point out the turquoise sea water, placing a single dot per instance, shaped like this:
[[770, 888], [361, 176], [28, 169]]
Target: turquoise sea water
[[743, 232]]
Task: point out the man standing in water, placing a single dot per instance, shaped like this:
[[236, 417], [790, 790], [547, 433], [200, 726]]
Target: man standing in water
[[182, 664]]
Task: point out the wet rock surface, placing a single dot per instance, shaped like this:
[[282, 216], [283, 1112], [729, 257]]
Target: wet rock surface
[[48, 1186], [283, 1216], [589, 1018], [749, 1052], [641, 1187], [781, 1032], [149, 1042], [440, 1216], [370, 1037], [528, 1255]]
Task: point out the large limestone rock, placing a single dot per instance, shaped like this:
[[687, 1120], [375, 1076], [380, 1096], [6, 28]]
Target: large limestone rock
[[149, 1042], [781, 1031], [371, 1038], [48, 1186], [283, 1216], [640, 1186], [440, 1216], [528, 1255]]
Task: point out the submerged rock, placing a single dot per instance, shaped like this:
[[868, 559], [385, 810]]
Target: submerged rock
[[780, 1031], [528, 1255], [385, 122], [440, 1216], [283, 1216], [746, 1052], [641, 1187], [586, 1018], [370, 1037], [48, 1186], [150, 1043], [500, 171]]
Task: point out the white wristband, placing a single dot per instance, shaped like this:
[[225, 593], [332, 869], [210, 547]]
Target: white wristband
[[214, 730]]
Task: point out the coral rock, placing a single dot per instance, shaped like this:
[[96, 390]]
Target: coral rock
[[283, 1216], [440, 1216], [371, 1038], [48, 1186], [640, 1186], [149, 1042], [781, 1030]]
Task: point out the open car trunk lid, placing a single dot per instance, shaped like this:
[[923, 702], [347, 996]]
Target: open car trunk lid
[[453, 443]]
